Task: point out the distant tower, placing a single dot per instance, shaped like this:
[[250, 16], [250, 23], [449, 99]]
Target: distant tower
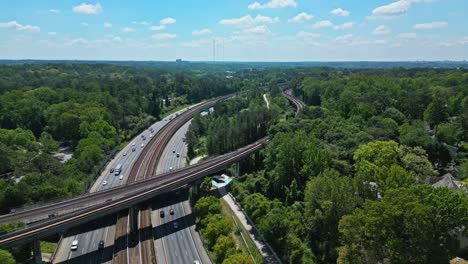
[[214, 45]]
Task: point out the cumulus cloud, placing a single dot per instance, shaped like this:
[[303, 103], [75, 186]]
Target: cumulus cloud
[[88, 9], [344, 39], [301, 17], [248, 21], [382, 30], [114, 38], [393, 9], [20, 27], [54, 11], [160, 27], [127, 29], [200, 32], [144, 23], [107, 25], [167, 21], [257, 30], [273, 4], [52, 33], [84, 24], [164, 36], [340, 12], [432, 25], [323, 24], [346, 25]]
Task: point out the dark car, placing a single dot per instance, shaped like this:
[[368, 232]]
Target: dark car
[[101, 245], [133, 149], [111, 170], [171, 211], [178, 155], [161, 213]]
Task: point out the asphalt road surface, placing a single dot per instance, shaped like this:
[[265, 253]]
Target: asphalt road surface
[[89, 235]]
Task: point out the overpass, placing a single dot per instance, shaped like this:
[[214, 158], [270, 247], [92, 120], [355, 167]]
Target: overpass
[[97, 205]]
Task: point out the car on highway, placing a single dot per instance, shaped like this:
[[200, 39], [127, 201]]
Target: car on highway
[[171, 211], [142, 145], [161, 213], [173, 151], [111, 170], [104, 183], [133, 149], [74, 245], [170, 168], [178, 155], [151, 135], [125, 154], [142, 136], [196, 262], [176, 225], [101, 245], [121, 177], [133, 144]]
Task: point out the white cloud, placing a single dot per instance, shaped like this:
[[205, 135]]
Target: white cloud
[[164, 36], [200, 32], [88, 9], [301, 17], [393, 9], [114, 38], [167, 21], [18, 26], [128, 29], [407, 35], [344, 38], [257, 30], [248, 21], [305, 34], [144, 23], [52, 33], [340, 12], [346, 25], [84, 24], [322, 24], [382, 30], [432, 25], [54, 11], [464, 41], [273, 4], [160, 27], [107, 25]]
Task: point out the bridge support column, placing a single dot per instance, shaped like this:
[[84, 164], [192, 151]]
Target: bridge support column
[[37, 252], [133, 219], [195, 187], [237, 169]]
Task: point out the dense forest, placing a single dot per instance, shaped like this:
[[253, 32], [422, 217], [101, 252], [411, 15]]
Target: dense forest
[[348, 180], [92, 109]]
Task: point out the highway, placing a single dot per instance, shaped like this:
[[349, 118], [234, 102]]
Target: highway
[[181, 244], [135, 194], [104, 229]]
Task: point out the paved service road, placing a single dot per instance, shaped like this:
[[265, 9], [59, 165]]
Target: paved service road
[[89, 235]]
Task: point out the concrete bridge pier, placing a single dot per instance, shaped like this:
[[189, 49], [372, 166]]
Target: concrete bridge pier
[[237, 169], [133, 219], [37, 252], [195, 187]]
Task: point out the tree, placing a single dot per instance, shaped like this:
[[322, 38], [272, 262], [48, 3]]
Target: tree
[[48, 142], [436, 112], [6, 257], [395, 229], [217, 225], [225, 246], [328, 197], [239, 259], [206, 206]]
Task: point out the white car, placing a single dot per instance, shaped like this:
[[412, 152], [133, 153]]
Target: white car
[[151, 135], [170, 168], [142, 145], [125, 154], [74, 245], [121, 177], [104, 183], [133, 144]]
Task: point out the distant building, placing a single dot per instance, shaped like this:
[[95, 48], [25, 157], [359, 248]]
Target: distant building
[[181, 61]]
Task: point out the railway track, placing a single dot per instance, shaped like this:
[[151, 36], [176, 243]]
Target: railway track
[[297, 103]]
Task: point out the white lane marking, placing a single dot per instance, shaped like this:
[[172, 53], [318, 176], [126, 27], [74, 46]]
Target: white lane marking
[[139, 238]]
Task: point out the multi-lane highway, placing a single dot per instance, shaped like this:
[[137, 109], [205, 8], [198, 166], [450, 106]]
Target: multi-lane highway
[[90, 235]]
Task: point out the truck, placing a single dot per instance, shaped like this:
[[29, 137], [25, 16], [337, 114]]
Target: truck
[[118, 169]]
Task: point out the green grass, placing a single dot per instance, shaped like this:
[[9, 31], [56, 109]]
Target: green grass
[[237, 230], [48, 247], [166, 112]]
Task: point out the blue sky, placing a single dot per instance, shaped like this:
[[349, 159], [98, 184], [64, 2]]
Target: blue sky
[[262, 30]]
